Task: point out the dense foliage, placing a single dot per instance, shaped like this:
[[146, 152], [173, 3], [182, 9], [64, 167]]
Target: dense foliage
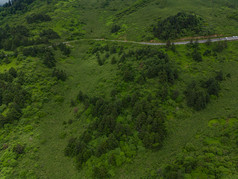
[[182, 24], [124, 122], [49, 34], [208, 160], [13, 6], [12, 95], [13, 37], [36, 18], [115, 28]]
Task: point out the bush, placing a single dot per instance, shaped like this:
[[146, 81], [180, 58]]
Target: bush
[[113, 60], [18, 149], [196, 55], [219, 76], [31, 51], [207, 53], [115, 28], [212, 86], [14, 113], [12, 71], [100, 172], [49, 59], [35, 18], [219, 46], [196, 96], [64, 49], [59, 74], [50, 34], [2, 120]]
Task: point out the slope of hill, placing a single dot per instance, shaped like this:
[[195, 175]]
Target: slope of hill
[[95, 19], [74, 107]]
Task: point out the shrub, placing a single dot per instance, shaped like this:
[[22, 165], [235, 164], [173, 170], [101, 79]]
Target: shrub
[[64, 49], [49, 59], [113, 60], [59, 74], [115, 28], [50, 34], [196, 55], [196, 96], [100, 172], [18, 149], [12, 71], [35, 18]]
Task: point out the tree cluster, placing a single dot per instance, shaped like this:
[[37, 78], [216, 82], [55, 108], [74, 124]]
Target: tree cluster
[[46, 55], [195, 51], [205, 160], [198, 92], [13, 6], [63, 48], [125, 116], [115, 28], [49, 33], [59, 74], [220, 46], [36, 18], [214, 49], [147, 121], [49, 59], [181, 24], [154, 64], [12, 95], [13, 37], [35, 51]]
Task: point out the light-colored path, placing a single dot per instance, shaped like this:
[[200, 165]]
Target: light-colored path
[[176, 43]]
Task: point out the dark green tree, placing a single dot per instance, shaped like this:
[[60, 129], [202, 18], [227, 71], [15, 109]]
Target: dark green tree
[[196, 96]]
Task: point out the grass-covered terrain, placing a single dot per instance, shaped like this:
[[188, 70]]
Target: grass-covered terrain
[[75, 107], [64, 115], [134, 18]]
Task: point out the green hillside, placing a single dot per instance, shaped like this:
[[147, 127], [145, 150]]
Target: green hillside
[[72, 106], [95, 19]]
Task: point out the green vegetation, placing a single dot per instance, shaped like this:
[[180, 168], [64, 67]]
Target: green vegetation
[[36, 18], [14, 6], [12, 96], [207, 161], [72, 106], [180, 25]]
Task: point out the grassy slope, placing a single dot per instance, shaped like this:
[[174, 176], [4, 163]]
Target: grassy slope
[[214, 15], [184, 131], [84, 19], [86, 75]]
